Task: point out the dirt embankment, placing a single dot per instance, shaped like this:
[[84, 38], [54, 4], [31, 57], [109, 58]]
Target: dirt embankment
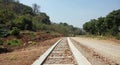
[[26, 56], [27, 39], [99, 52]]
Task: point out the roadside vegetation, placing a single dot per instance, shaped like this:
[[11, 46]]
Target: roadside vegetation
[[22, 25], [104, 26], [13, 42], [16, 17]]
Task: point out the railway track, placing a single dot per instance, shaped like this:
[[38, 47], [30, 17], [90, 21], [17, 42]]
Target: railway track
[[63, 52]]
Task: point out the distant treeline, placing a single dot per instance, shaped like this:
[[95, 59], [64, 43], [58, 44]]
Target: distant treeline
[[15, 17], [109, 25]]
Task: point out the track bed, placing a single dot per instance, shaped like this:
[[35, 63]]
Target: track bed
[[61, 55]]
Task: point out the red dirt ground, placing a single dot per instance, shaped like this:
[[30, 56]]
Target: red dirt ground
[[26, 56]]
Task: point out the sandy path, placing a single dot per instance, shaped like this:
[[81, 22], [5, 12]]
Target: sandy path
[[107, 49]]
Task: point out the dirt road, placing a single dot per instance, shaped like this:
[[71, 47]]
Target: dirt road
[[99, 52]]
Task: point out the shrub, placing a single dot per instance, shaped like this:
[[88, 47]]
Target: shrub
[[15, 31], [1, 42], [118, 36], [3, 33], [14, 42], [32, 36], [23, 22]]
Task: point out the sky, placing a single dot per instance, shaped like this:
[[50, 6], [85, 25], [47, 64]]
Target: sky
[[75, 12]]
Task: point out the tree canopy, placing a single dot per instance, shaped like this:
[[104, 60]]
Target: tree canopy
[[108, 25]]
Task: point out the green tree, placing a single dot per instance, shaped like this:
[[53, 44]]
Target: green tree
[[23, 23], [6, 16], [113, 22], [44, 18], [90, 26], [108, 25], [100, 26]]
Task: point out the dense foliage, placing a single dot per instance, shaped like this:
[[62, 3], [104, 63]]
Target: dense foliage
[[15, 17], [109, 25]]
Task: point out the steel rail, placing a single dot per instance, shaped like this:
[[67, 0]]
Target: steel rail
[[42, 58]]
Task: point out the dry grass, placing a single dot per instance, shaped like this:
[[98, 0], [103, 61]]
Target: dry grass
[[26, 56]]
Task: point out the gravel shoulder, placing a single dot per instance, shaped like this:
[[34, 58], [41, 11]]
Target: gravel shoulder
[[26, 56], [106, 52]]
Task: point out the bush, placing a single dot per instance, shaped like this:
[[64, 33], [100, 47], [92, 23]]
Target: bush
[[14, 42], [23, 22], [15, 31], [1, 42], [32, 35], [118, 36], [3, 33]]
